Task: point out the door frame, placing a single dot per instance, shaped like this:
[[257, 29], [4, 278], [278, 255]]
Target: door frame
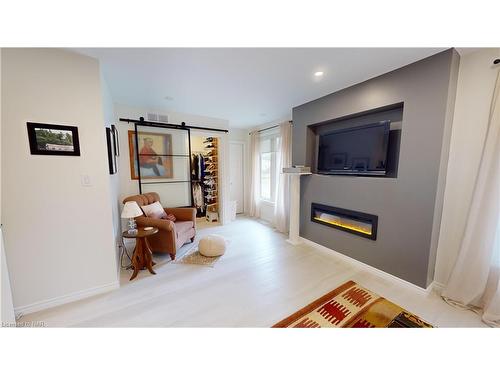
[[245, 170]]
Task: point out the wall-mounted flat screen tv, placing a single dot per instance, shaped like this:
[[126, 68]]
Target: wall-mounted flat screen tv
[[360, 150]]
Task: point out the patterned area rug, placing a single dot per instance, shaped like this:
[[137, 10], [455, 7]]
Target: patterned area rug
[[352, 306], [194, 257]]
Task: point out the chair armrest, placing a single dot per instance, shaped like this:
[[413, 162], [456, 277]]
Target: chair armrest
[[183, 213], [163, 224]]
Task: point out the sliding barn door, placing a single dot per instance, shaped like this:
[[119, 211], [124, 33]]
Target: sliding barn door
[[162, 163]]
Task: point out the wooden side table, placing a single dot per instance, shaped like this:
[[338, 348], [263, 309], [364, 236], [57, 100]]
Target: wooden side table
[[143, 256]]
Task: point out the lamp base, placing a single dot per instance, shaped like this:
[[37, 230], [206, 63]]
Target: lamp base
[[132, 227]]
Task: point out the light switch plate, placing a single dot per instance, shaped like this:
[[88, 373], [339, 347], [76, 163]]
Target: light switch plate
[[86, 180]]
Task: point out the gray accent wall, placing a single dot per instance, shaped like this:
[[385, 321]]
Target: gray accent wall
[[408, 206]]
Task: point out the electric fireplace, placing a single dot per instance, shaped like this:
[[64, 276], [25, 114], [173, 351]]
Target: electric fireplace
[[358, 223]]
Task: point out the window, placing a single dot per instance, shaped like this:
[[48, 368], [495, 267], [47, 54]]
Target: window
[[265, 175], [268, 172]]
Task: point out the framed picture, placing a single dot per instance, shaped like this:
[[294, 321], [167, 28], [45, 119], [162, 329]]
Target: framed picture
[[111, 142], [49, 139], [114, 132], [155, 155]]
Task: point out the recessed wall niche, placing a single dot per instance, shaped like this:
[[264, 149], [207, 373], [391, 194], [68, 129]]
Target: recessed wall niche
[[392, 113]]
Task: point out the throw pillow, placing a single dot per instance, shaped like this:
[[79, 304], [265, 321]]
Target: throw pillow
[[154, 211]]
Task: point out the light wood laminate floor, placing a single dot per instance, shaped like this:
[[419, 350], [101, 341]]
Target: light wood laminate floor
[[260, 280]]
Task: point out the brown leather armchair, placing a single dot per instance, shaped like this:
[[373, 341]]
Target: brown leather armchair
[[171, 235]]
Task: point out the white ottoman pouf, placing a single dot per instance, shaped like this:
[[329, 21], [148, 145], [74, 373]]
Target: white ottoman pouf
[[212, 245]]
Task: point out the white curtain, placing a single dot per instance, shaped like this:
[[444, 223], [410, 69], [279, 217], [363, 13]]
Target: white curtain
[[255, 174], [475, 280], [283, 160]]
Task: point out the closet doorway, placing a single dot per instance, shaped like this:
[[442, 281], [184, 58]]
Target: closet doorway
[[207, 177]]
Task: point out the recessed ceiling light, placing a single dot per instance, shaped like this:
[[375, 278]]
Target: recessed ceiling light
[[168, 98], [318, 74]]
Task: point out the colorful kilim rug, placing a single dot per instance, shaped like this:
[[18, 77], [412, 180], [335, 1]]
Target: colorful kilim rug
[[352, 306]]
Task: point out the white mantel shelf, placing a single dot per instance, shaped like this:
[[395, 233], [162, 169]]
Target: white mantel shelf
[[293, 237]]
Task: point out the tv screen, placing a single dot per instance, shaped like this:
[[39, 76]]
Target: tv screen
[[361, 150]]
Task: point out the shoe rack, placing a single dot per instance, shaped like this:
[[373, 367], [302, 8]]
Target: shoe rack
[[211, 179]]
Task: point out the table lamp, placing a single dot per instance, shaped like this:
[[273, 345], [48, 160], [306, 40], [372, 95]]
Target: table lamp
[[130, 211]]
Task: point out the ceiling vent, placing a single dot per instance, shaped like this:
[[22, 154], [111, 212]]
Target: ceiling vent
[[152, 117], [155, 117]]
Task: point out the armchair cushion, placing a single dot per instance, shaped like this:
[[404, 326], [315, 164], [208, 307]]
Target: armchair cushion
[[155, 211], [164, 224], [183, 226], [183, 214]]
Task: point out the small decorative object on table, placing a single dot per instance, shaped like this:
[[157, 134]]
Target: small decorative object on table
[[143, 256], [130, 211]]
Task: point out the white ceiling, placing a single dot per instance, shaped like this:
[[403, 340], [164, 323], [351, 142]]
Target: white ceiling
[[247, 86]]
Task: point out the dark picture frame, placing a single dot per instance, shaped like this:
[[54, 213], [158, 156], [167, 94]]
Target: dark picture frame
[[111, 143], [50, 139], [114, 132]]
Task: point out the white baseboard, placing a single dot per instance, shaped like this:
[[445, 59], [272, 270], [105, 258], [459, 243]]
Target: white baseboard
[[367, 267], [71, 297]]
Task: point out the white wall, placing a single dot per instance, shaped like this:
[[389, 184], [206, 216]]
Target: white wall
[[7, 311], [114, 180], [58, 234], [0, 133], [197, 143], [7, 307], [476, 82]]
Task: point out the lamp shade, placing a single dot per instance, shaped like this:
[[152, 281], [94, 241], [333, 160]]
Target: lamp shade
[[131, 209]]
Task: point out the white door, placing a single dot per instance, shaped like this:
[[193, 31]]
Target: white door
[[236, 174]]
